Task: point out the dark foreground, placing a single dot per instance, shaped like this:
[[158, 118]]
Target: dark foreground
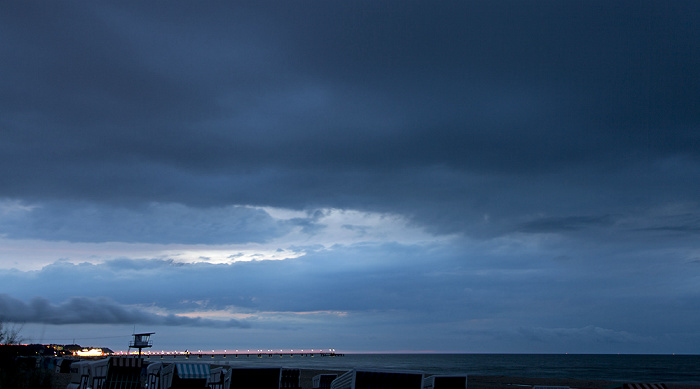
[[60, 380], [501, 382]]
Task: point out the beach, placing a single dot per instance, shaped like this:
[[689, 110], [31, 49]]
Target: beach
[[60, 380]]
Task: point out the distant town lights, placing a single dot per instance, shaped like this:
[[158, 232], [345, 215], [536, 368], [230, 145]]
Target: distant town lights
[[94, 352]]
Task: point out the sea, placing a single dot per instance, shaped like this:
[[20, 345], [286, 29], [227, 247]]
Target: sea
[[626, 368]]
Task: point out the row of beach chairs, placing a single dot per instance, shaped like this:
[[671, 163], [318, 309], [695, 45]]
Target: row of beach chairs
[[128, 373]]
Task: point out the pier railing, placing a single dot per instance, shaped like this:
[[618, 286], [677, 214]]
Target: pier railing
[[239, 354]]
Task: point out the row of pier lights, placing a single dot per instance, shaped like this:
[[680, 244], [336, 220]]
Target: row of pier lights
[[237, 353]]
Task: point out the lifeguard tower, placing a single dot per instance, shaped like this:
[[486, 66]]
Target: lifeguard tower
[[141, 341]]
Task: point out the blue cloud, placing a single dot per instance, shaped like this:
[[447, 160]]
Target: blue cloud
[[101, 310], [547, 132], [151, 223], [475, 287]]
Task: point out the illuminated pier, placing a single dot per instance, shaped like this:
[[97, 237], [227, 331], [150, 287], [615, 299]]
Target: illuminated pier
[[240, 354]]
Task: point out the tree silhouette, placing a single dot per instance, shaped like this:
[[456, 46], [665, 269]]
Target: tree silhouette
[[10, 334]]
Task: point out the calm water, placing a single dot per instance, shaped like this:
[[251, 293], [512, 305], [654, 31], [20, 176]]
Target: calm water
[[636, 368]]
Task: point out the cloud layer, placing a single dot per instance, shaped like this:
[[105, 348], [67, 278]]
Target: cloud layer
[[507, 295], [507, 174], [84, 310]]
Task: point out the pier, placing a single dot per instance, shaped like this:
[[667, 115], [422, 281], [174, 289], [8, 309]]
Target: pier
[[238, 354]]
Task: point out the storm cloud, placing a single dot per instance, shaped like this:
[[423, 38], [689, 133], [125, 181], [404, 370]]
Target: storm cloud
[[84, 310], [501, 171]]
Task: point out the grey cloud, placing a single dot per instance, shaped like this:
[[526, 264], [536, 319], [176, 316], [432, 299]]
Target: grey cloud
[[389, 278], [143, 122], [81, 310], [692, 229], [438, 288], [585, 334], [679, 223], [309, 224], [152, 223], [567, 223], [313, 105]]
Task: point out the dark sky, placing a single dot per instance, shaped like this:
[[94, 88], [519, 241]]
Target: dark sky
[[498, 176]]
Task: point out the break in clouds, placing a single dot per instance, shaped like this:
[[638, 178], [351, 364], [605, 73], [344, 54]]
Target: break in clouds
[[484, 292]]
